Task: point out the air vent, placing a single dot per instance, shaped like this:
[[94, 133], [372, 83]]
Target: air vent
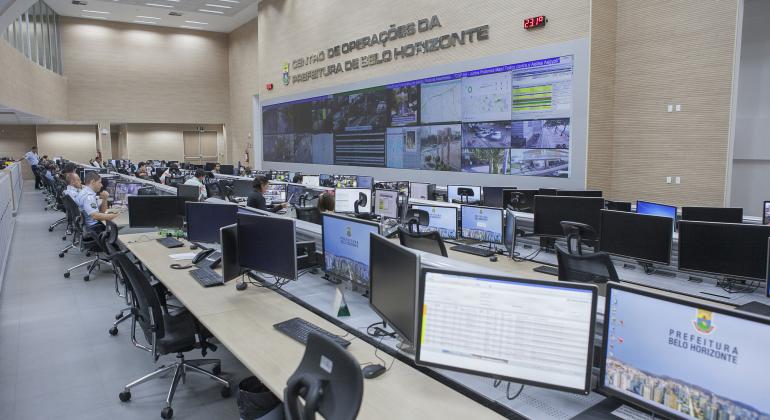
[[170, 13], [79, 3]]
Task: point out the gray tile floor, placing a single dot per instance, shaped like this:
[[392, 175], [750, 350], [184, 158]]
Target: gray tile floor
[[57, 359]]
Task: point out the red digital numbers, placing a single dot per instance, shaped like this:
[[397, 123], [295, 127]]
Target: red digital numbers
[[534, 22]]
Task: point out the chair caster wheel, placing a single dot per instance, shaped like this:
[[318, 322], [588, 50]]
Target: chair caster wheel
[[66, 275], [61, 255], [167, 413], [118, 316], [225, 392], [217, 369], [63, 238], [114, 331], [86, 278], [125, 396], [88, 254], [50, 229]]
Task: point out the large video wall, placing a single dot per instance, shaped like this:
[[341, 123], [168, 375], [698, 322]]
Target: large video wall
[[506, 120]]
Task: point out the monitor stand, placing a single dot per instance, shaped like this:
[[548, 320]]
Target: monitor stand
[[406, 348], [241, 285], [649, 269]]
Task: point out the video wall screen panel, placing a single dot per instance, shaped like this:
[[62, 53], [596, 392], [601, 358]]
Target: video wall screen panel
[[504, 120]]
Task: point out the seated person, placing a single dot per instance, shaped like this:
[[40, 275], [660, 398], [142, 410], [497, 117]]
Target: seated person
[[217, 169], [50, 170], [170, 172], [94, 208], [97, 162], [142, 172], [326, 202], [74, 186], [197, 180], [297, 178], [69, 168], [257, 198]]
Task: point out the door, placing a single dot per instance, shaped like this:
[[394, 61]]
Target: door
[[200, 146]]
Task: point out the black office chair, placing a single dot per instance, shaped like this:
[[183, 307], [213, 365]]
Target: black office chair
[[618, 205], [212, 190], [72, 210], [332, 387], [426, 241], [309, 214], [415, 218], [519, 202], [577, 233], [165, 334], [595, 268], [88, 244]]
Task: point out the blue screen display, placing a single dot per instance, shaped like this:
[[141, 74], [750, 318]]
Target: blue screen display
[[346, 247], [686, 361], [644, 207], [442, 220], [482, 224]]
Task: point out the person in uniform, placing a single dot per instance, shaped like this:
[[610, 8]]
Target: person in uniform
[[93, 205]]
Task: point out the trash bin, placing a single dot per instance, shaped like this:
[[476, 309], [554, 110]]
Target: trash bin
[[254, 399]]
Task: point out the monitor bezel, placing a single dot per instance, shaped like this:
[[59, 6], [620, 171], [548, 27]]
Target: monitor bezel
[[563, 197], [387, 242], [644, 260], [294, 235], [202, 205], [765, 218], [682, 209], [323, 239], [427, 186], [561, 284], [457, 233], [712, 273], [370, 206], [226, 268], [502, 222], [676, 209], [668, 297]]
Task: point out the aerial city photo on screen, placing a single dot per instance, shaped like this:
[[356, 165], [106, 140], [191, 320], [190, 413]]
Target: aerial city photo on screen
[[505, 120]]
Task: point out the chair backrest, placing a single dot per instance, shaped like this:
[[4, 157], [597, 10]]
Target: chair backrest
[[111, 238], [425, 241], [596, 267], [71, 208], [145, 301], [309, 214], [328, 379], [577, 232]]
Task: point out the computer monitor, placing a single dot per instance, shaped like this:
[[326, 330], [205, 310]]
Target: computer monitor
[[205, 219], [125, 189], [386, 203], [393, 275], [293, 192], [400, 186], [579, 193], [766, 213], [311, 181], [655, 209], [281, 176], [510, 233], [345, 199], [242, 187], [442, 220], [735, 250], [482, 224], [547, 191], [228, 237], [275, 193], [345, 181], [209, 166], [346, 247], [325, 180], [422, 191], [519, 200], [155, 211], [189, 192], [493, 196], [550, 211], [267, 245], [682, 358], [713, 214], [643, 237], [453, 194], [532, 332], [227, 169], [618, 205], [364, 181]]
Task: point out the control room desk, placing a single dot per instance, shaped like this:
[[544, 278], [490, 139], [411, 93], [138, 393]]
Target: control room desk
[[243, 322]]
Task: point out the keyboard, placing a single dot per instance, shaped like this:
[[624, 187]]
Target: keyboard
[[170, 242], [207, 277], [473, 250], [547, 269], [299, 329]]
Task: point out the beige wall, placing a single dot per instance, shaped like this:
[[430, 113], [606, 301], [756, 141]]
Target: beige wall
[[163, 141], [135, 73], [290, 29], [672, 52], [244, 84], [15, 141], [27, 87], [75, 142]]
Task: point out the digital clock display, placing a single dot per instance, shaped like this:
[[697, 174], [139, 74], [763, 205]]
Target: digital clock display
[[535, 22]]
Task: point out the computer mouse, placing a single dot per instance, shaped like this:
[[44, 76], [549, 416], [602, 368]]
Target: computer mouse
[[373, 371], [493, 258]]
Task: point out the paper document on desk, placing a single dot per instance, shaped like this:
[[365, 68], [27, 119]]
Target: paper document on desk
[[182, 256]]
